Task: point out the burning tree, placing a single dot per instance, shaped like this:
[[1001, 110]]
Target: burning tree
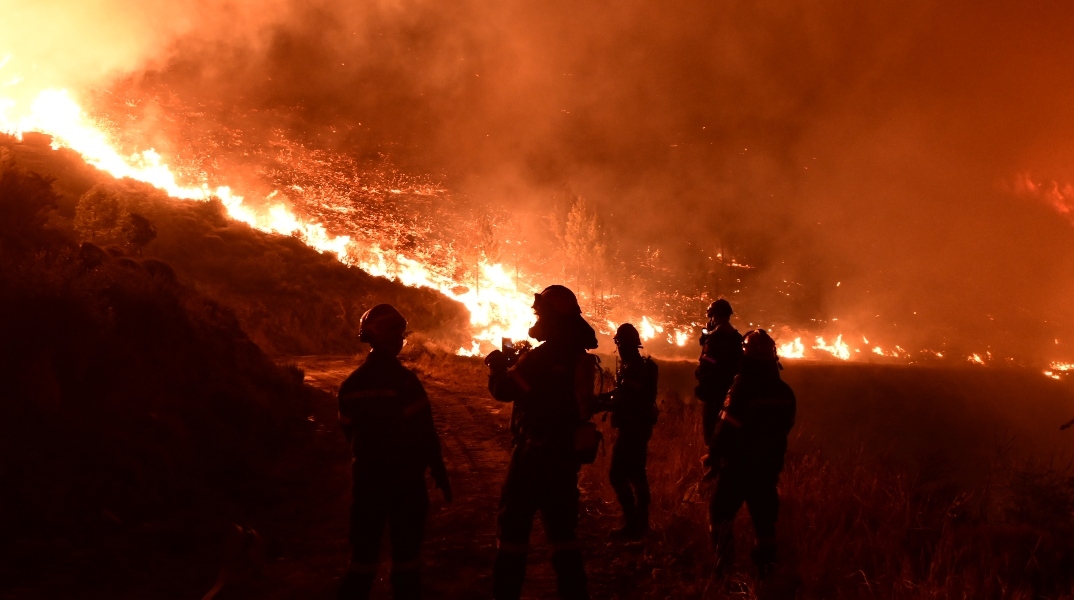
[[584, 248]]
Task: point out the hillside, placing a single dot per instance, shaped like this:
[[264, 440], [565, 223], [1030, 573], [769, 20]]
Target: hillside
[[288, 297]]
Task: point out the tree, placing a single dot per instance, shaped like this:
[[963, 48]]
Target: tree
[[101, 216], [584, 247], [26, 199], [488, 244], [138, 232], [106, 217], [488, 247]]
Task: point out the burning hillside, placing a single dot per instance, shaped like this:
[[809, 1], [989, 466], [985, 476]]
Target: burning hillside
[[417, 169]]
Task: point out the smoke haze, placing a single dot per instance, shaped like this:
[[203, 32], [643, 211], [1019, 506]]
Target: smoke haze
[[878, 147]]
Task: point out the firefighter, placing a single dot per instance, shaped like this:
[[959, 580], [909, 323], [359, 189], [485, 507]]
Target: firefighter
[[748, 446], [551, 387], [388, 421], [632, 405], [721, 355]]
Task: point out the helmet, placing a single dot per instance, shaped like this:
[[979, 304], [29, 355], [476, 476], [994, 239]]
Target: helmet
[[627, 335], [759, 345], [382, 323], [720, 308], [556, 300]]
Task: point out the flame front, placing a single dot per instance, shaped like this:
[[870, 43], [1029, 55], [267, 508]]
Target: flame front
[[792, 349], [498, 308], [838, 348], [499, 304]]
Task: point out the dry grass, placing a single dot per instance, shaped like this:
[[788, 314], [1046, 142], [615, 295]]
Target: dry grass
[[852, 525]]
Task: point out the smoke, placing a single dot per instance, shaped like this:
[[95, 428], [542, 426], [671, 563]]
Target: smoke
[[861, 158], [85, 43]]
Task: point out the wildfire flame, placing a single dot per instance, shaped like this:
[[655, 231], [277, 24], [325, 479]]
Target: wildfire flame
[[681, 336], [498, 308], [498, 303], [838, 348], [792, 349], [648, 329]]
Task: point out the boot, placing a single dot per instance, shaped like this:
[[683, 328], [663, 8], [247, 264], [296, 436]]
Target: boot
[[723, 543], [643, 520], [570, 575], [629, 529], [764, 558], [507, 575], [356, 586], [406, 585]]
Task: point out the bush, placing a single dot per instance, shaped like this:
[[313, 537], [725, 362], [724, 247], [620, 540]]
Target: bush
[[290, 298], [127, 400]]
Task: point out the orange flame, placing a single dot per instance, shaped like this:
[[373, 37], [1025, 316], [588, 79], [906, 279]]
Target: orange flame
[[497, 307]]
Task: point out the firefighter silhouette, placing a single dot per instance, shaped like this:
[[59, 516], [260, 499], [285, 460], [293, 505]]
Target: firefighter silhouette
[[632, 405], [747, 448], [388, 421], [721, 356], [551, 387]]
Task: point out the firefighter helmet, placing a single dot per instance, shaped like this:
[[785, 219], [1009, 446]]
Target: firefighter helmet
[[556, 300], [720, 308], [380, 324], [758, 344], [627, 336]]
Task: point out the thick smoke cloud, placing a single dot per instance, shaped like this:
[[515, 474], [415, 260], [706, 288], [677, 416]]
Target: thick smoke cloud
[[82, 43], [873, 146]]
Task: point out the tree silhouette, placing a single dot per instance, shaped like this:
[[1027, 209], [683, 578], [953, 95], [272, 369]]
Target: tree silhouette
[[139, 232], [584, 247]]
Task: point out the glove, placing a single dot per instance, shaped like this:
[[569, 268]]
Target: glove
[[603, 402], [496, 361], [444, 485], [711, 466]]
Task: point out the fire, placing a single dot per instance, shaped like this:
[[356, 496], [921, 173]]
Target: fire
[[792, 349], [648, 329], [499, 304], [898, 352], [838, 348], [681, 337], [1057, 370], [498, 308]]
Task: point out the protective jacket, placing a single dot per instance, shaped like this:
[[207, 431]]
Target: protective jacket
[[551, 387], [721, 358], [633, 403], [757, 416], [387, 418]]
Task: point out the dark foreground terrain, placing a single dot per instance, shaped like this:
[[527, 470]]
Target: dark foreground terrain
[[901, 483]]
